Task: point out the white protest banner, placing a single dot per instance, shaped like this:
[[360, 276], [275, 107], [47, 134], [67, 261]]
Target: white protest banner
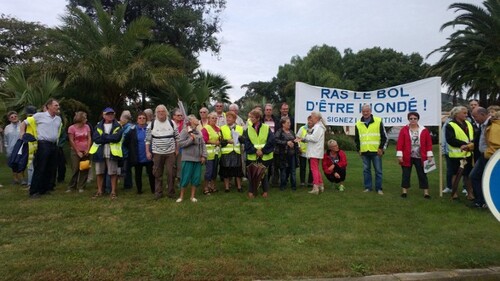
[[341, 107]]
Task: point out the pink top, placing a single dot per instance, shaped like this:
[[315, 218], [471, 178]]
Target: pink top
[[80, 136]]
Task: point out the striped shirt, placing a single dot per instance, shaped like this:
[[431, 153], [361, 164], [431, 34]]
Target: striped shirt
[[163, 138]]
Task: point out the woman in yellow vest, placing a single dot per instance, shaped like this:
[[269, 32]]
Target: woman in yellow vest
[[259, 146], [230, 162], [211, 136], [460, 139]]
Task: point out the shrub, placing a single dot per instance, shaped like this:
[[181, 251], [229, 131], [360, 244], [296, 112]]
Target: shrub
[[344, 141]]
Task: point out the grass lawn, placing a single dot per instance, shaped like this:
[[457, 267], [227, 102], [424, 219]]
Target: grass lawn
[[228, 237]]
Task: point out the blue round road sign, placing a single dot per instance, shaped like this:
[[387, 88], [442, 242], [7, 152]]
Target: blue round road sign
[[491, 184]]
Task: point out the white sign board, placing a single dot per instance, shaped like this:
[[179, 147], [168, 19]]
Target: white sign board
[[341, 107]]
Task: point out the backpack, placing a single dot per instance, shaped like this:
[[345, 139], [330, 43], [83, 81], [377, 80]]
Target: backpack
[[153, 125]]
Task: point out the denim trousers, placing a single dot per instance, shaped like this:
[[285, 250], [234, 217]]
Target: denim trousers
[[368, 159], [289, 172], [476, 177]]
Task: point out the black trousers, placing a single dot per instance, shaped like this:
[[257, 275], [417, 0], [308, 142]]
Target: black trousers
[[303, 163], [422, 176], [45, 167], [138, 176]]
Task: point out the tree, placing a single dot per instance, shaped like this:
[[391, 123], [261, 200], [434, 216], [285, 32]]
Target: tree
[[188, 25], [471, 58], [20, 42], [20, 91], [109, 60]]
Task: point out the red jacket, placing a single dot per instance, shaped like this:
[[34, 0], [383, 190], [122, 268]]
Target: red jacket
[[327, 161], [403, 146]]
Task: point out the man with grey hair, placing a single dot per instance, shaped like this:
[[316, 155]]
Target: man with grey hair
[[239, 121], [371, 142], [482, 117], [221, 116], [162, 140]]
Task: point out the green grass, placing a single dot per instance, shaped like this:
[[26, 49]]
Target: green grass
[[228, 237]]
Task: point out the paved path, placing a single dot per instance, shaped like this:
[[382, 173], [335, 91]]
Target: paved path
[[485, 274]]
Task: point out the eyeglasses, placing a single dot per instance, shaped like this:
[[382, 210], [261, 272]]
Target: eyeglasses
[[412, 118]]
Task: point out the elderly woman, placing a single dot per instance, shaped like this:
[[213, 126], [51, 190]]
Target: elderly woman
[[335, 164], [259, 147], [193, 156], [414, 146], [301, 133], [126, 169], [287, 152], [230, 162], [211, 136], [80, 140], [460, 139], [136, 139], [11, 135], [315, 139]]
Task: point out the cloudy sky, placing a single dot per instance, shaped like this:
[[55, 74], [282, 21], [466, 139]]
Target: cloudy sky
[[260, 35]]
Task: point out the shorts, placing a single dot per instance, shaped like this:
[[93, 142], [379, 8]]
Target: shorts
[[110, 164]]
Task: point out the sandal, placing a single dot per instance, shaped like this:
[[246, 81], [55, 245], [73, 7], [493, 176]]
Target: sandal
[[113, 196], [97, 195]]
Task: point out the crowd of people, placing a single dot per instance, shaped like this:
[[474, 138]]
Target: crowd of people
[[175, 147]]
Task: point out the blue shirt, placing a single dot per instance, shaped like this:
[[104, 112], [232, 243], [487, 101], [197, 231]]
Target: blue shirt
[[47, 127], [141, 144]]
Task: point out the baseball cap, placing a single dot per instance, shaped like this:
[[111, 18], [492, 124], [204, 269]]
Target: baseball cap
[[108, 110], [30, 109]]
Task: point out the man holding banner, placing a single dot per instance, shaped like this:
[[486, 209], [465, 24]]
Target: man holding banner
[[371, 141]]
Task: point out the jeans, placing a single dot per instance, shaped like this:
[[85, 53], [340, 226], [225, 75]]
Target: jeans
[[476, 176], [288, 172], [368, 158]]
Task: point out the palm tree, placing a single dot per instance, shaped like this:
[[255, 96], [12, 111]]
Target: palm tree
[[471, 58], [110, 59], [20, 91], [216, 85]]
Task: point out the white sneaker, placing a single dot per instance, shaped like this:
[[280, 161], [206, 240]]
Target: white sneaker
[[68, 190], [380, 192], [367, 190], [80, 190], [1, 185], [321, 188], [178, 200], [314, 191], [447, 190], [464, 191], [194, 200]]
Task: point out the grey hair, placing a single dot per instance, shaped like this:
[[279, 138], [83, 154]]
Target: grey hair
[[126, 114], [454, 111], [234, 106], [332, 141], [161, 106], [320, 117]]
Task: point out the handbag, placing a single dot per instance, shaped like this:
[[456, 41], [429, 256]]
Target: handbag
[[84, 165]]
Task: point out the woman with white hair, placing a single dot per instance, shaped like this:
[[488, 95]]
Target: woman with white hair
[[335, 164], [126, 169], [460, 139], [315, 139]]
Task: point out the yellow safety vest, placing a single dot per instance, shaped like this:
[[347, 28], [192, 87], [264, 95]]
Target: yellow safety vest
[[212, 149], [455, 152], [259, 141], [226, 134], [32, 146], [369, 137], [115, 148], [302, 144]]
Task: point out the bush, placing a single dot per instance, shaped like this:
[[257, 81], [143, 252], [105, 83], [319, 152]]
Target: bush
[[344, 141]]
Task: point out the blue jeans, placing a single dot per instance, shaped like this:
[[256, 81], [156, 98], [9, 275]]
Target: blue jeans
[[476, 176], [368, 158]]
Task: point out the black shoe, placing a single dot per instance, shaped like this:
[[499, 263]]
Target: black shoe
[[139, 192], [404, 195], [226, 190], [427, 196], [35, 196]]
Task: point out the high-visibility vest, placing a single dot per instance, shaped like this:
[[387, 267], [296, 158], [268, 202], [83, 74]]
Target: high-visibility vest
[[226, 134], [115, 148], [259, 141], [456, 152], [369, 137], [212, 149], [32, 146], [302, 144]]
